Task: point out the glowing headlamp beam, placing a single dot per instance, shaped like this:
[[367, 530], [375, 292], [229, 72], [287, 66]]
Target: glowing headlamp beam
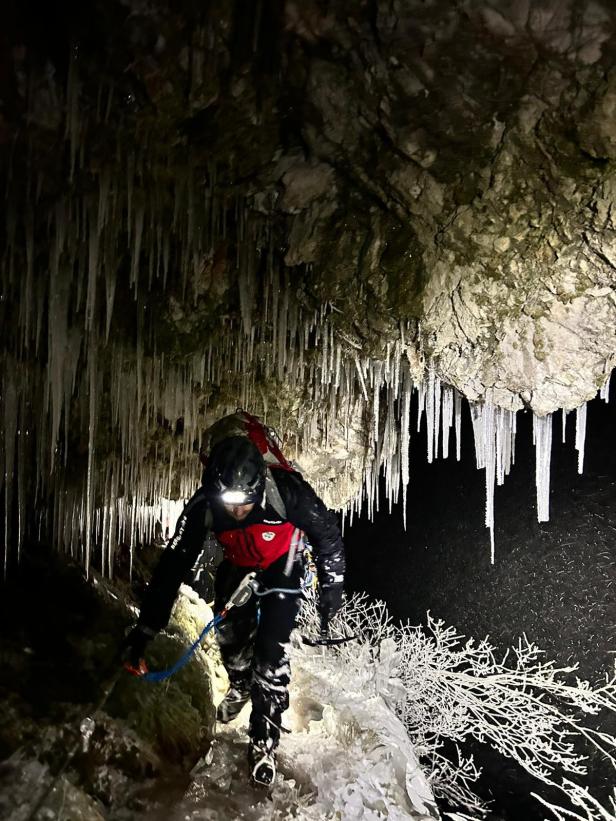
[[234, 497]]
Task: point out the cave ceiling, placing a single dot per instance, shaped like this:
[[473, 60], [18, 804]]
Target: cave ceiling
[[298, 206]]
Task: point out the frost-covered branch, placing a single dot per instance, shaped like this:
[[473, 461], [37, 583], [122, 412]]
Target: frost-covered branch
[[446, 688]]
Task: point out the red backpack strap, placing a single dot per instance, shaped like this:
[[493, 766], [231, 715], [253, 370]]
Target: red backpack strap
[[258, 434]]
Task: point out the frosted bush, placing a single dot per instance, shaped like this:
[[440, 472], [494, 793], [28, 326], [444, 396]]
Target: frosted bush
[[446, 689]]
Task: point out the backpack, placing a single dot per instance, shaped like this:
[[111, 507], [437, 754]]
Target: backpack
[[242, 423]]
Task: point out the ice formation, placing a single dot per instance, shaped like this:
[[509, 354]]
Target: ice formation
[[115, 360]]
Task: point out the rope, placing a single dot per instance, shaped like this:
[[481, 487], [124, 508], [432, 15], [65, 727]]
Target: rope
[[161, 675], [296, 591]]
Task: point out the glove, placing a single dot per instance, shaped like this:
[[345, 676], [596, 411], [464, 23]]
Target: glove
[[133, 646], [330, 602]]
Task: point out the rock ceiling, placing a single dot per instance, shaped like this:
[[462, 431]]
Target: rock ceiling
[[308, 208]]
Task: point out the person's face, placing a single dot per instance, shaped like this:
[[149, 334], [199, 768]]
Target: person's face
[[239, 512]]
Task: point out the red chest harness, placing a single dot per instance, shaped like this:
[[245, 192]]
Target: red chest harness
[[256, 545]]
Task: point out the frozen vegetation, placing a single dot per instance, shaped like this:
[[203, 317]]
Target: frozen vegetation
[[371, 719]]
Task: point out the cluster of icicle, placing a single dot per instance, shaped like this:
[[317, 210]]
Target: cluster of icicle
[[91, 392]]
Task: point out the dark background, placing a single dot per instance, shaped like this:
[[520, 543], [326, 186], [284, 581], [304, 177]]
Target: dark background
[[554, 581]]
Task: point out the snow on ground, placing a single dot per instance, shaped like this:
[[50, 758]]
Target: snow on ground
[[346, 756]]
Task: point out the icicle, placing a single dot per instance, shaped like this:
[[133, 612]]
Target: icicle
[[405, 435], [580, 435], [90, 477], [437, 413], [505, 425], [458, 423], [604, 393], [489, 448], [376, 400], [478, 434], [542, 428], [484, 430], [430, 413], [361, 378], [421, 398], [564, 422], [447, 418]]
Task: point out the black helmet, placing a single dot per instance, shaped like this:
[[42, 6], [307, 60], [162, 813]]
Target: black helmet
[[235, 470]]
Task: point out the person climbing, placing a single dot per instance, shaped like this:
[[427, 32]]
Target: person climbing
[[259, 514]]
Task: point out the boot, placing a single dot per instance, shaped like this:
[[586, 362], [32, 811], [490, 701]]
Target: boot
[[230, 707], [262, 764]]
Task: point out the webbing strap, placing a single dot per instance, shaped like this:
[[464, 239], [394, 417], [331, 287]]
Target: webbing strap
[[272, 495]]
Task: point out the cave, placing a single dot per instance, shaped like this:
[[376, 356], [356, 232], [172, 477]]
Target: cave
[[386, 228]]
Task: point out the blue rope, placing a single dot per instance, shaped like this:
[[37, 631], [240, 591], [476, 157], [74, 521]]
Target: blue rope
[[161, 675]]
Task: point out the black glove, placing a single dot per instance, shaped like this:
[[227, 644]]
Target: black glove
[[133, 646], [330, 602]]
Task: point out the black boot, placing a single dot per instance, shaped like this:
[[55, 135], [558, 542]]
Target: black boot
[[262, 764], [230, 707]]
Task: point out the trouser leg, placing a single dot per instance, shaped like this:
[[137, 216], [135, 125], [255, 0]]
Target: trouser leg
[[271, 667], [236, 633]]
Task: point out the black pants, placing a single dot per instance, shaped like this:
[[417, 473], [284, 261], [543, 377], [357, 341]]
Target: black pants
[[253, 642]]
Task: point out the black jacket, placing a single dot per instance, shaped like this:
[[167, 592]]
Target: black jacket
[[304, 510]]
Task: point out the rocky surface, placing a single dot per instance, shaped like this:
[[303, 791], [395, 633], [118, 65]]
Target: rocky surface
[[60, 653]]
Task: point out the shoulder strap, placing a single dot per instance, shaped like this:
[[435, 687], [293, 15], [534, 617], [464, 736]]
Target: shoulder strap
[[272, 495]]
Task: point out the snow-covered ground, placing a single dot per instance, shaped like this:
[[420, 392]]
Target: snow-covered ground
[[346, 756]]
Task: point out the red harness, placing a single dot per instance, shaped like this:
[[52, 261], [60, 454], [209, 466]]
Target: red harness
[[256, 545]]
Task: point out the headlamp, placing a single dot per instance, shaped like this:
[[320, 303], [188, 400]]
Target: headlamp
[[234, 497]]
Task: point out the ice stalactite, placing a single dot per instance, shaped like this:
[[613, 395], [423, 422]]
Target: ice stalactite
[[489, 450], [494, 431], [542, 434], [458, 423], [152, 299], [430, 412], [447, 418], [405, 434], [580, 435], [604, 393], [505, 443]]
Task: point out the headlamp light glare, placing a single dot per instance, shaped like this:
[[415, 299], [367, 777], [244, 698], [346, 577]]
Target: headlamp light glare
[[234, 497]]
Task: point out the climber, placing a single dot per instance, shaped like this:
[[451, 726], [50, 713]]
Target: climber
[[259, 515]]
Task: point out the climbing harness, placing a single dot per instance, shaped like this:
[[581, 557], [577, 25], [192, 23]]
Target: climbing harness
[[240, 596], [248, 587]]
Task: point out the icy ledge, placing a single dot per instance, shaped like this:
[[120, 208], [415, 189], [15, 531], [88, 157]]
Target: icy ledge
[[369, 722]]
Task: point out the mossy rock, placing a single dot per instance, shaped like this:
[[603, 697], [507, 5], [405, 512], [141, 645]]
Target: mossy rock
[[176, 716]]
